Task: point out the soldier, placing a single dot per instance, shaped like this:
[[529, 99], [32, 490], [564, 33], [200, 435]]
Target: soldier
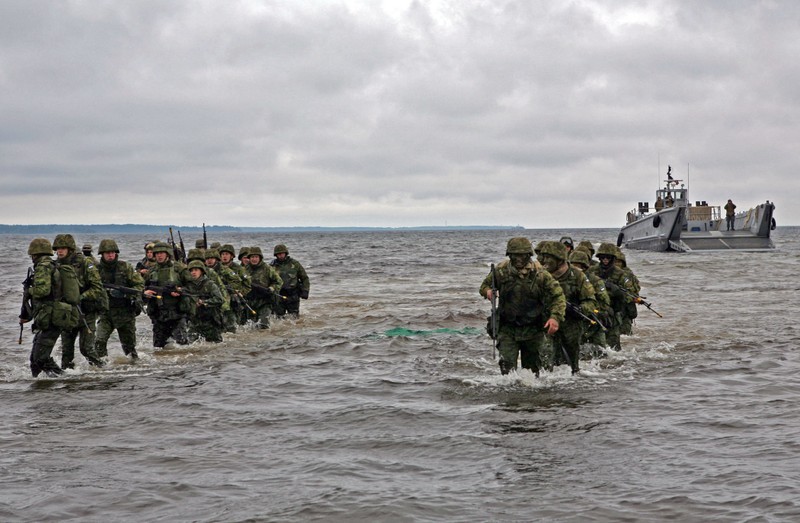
[[123, 305], [93, 301], [531, 304], [240, 306], [568, 243], [230, 285], [630, 313], [244, 256], [87, 252], [594, 334], [147, 263], [295, 282], [166, 307], [43, 292], [580, 298], [588, 248], [265, 283], [205, 319], [618, 286], [730, 215]]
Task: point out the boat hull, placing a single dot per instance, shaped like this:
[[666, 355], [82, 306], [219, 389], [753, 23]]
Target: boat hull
[[654, 232]]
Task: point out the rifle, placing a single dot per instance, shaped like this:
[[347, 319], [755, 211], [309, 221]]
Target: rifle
[[167, 289], [128, 291], [593, 319], [240, 299], [175, 253], [266, 291], [183, 249], [26, 313], [494, 312], [635, 297], [83, 318], [205, 238]]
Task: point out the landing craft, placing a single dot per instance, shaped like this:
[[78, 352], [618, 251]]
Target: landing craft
[[676, 225]]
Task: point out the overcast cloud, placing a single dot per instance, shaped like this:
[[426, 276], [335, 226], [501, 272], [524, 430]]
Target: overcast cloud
[[402, 113]]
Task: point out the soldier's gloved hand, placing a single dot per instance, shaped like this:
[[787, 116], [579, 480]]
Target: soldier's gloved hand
[[304, 295]]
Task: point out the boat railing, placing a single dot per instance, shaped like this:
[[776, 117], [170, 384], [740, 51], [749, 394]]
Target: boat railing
[[702, 213]]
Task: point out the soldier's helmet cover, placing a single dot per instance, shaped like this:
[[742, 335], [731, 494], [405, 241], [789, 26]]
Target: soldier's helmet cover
[[519, 245], [227, 248], [65, 241], [255, 251], [607, 249], [197, 264], [579, 256], [195, 254], [280, 248], [161, 247], [108, 246], [554, 249], [40, 246], [212, 253]]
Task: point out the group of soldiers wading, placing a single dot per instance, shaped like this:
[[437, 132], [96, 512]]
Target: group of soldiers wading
[[550, 307], [196, 296]]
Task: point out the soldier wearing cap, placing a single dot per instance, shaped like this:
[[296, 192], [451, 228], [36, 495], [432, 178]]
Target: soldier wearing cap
[[295, 282], [531, 305], [122, 307], [87, 252]]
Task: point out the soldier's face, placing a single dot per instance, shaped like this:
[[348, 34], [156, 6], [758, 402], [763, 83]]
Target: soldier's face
[[548, 262], [520, 260], [149, 254], [605, 260], [226, 257], [161, 257], [210, 262], [196, 273], [255, 259], [62, 252], [281, 256], [109, 256]]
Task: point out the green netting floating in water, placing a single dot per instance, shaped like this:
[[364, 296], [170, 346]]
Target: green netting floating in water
[[402, 331]]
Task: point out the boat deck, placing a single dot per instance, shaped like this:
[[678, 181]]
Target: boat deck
[[724, 240]]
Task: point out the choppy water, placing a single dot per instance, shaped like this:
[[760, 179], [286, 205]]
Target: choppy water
[[383, 403]]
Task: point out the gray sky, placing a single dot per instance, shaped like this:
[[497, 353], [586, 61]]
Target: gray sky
[[395, 113]]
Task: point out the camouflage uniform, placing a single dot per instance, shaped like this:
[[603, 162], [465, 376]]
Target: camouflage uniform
[[93, 301], [122, 308], [631, 312], [230, 284], [295, 283], [264, 282], [241, 308], [205, 319], [529, 297], [578, 291], [146, 264], [168, 313], [618, 285], [39, 301], [594, 334]]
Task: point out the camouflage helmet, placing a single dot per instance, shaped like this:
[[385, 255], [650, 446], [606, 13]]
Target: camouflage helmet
[[519, 245], [40, 246], [149, 246], [566, 240], [195, 254], [607, 249], [161, 247], [87, 247], [214, 245], [227, 248], [586, 244], [107, 246], [255, 251], [197, 264], [621, 257], [199, 244], [279, 249], [579, 257], [555, 249], [539, 246], [243, 253], [65, 241], [212, 253]]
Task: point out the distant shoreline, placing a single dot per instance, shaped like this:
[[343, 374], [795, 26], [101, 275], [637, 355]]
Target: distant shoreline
[[158, 229]]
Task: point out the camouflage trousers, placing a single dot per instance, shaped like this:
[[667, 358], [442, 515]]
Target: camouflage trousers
[[124, 321], [525, 343], [163, 329], [43, 343], [567, 344], [85, 334]]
